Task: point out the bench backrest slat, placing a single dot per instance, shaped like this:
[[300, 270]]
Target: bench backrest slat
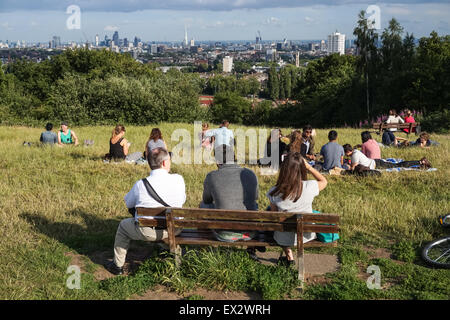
[[238, 219]]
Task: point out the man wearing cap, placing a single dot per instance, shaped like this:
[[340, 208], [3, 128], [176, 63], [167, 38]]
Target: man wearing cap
[[66, 136]]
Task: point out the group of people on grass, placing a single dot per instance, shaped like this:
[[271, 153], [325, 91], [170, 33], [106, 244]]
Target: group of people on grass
[[65, 136], [233, 187]]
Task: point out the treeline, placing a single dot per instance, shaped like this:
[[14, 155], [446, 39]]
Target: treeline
[[94, 87]]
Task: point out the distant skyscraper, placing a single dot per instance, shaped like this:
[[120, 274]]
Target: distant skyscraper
[[227, 64], [125, 42], [297, 59], [56, 42], [323, 46], [185, 36], [116, 38], [192, 42], [136, 41], [336, 43], [97, 40]]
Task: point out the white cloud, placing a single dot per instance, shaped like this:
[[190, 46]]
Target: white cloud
[[6, 26], [111, 28]]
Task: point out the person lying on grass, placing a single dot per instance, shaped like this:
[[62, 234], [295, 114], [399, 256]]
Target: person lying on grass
[[171, 190], [294, 193], [66, 136], [423, 141], [359, 159]]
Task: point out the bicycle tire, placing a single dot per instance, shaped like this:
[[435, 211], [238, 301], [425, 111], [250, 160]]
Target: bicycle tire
[[437, 253]]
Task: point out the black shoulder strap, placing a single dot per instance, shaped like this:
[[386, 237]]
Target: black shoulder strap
[[153, 193]]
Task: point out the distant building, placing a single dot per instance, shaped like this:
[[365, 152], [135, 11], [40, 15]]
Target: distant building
[[297, 59], [227, 64], [115, 38], [271, 55], [154, 48], [336, 43], [192, 43], [323, 46]]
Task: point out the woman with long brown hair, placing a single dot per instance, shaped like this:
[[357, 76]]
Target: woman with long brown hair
[[294, 193], [154, 141], [296, 141]]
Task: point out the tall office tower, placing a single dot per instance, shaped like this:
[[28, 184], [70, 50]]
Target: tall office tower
[[227, 64], [125, 42], [192, 42], [116, 38], [336, 43], [297, 59], [185, 37], [136, 42], [56, 42], [97, 40]]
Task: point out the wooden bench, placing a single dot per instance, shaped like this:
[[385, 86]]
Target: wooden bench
[[197, 225], [379, 126]]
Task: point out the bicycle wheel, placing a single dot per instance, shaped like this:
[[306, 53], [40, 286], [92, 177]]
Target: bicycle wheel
[[437, 253]]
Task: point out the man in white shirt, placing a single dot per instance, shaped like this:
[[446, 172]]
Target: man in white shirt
[[222, 135], [358, 158], [170, 188]]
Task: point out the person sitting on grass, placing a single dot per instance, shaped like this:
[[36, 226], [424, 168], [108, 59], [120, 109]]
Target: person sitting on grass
[[222, 135], [282, 148], [230, 187], [206, 142], [294, 193], [332, 152], [370, 147], [118, 145], [66, 136], [48, 137], [171, 190], [308, 142], [154, 141], [359, 159]]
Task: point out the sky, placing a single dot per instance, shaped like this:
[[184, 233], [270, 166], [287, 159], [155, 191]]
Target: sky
[[219, 20]]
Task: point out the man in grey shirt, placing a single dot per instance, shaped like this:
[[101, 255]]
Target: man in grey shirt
[[332, 152], [230, 187], [49, 137]]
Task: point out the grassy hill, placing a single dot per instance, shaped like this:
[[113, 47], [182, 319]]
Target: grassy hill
[[60, 202]]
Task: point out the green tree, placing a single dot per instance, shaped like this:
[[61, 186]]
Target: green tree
[[366, 39], [231, 106]]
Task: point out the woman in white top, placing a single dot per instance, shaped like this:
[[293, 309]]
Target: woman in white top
[[154, 141], [294, 193], [394, 118]]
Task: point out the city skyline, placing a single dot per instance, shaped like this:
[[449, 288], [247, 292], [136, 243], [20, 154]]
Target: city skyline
[[275, 20]]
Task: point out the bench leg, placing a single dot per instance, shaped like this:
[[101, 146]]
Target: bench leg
[[177, 256], [300, 255]]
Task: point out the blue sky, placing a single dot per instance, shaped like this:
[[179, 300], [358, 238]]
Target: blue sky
[[164, 20]]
